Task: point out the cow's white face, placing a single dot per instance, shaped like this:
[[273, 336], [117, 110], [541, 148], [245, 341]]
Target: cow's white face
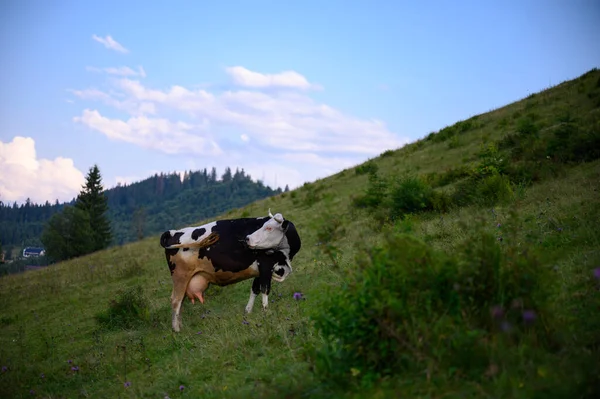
[[270, 235]]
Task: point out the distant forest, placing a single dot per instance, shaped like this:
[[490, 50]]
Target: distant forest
[[148, 207]]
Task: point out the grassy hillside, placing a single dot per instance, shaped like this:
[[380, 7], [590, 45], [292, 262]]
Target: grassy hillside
[[462, 265]]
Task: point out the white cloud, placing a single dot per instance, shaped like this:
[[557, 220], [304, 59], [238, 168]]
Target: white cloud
[[248, 78], [23, 175], [289, 121], [110, 43], [292, 134], [131, 106], [119, 71], [154, 133]]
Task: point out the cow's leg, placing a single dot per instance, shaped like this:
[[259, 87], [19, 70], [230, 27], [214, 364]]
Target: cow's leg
[[265, 294], [180, 282], [264, 282], [254, 290]]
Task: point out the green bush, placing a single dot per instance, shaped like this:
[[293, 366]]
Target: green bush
[[374, 195], [410, 195], [444, 134], [494, 189], [372, 325], [449, 176], [367, 167], [526, 127], [408, 308], [453, 143], [440, 201], [129, 310], [571, 144]]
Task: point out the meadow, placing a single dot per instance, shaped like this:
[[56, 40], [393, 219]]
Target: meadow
[[465, 264]]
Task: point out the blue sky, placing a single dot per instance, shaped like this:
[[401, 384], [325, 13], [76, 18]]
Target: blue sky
[[289, 92]]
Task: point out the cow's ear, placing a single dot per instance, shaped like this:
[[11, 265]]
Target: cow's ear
[[285, 224]]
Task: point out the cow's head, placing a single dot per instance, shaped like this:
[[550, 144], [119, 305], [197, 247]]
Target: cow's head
[[270, 235]]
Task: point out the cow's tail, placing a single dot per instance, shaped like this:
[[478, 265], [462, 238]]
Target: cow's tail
[[205, 242]]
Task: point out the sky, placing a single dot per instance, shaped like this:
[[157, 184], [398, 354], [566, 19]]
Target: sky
[[288, 91]]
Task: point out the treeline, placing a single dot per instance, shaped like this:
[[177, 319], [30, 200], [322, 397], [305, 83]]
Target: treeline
[[166, 201], [148, 207], [22, 225]]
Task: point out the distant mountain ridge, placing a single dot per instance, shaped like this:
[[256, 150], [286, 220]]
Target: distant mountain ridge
[[136, 210]]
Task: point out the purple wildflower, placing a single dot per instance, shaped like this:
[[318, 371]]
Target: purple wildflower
[[42, 375], [498, 225], [529, 316], [127, 384], [597, 273], [559, 229], [75, 368], [199, 332], [245, 322], [497, 312], [69, 361], [4, 369], [181, 387], [297, 295]]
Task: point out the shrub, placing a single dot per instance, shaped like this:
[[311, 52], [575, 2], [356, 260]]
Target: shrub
[[374, 195], [444, 134], [526, 127], [387, 153], [410, 195], [408, 308], [371, 325], [129, 310], [440, 201], [572, 144], [494, 189], [367, 167], [502, 123], [450, 176], [453, 143]]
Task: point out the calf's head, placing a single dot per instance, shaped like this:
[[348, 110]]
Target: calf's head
[[270, 235]]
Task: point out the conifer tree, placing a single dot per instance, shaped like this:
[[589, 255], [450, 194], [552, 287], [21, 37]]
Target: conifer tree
[[92, 200], [68, 234]]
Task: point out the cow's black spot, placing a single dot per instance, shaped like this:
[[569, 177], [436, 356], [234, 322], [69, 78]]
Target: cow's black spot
[[280, 272], [166, 240], [198, 233], [186, 249], [168, 254]]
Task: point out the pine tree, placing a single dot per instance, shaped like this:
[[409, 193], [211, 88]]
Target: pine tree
[[92, 200]]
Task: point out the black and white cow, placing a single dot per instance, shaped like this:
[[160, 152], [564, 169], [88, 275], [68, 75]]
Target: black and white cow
[[228, 251]]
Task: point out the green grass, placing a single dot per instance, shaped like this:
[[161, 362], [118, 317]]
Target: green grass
[[82, 310]]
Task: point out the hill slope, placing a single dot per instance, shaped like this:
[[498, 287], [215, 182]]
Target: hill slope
[[525, 175]]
